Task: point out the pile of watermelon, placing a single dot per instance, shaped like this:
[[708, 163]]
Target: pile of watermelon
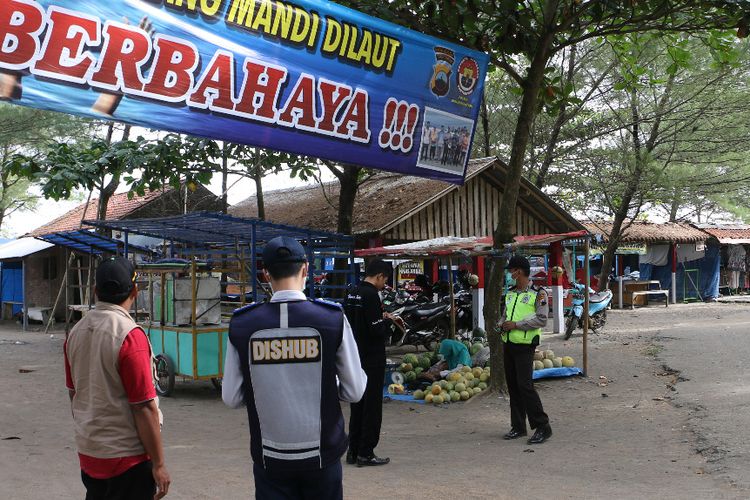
[[548, 359], [458, 386]]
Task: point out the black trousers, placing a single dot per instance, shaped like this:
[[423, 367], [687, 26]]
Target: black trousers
[[322, 484], [136, 483], [524, 400], [367, 415]]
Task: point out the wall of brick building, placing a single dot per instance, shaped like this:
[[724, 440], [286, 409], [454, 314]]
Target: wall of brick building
[[41, 291]]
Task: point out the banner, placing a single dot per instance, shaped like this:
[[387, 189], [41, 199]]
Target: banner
[[309, 77], [407, 271]]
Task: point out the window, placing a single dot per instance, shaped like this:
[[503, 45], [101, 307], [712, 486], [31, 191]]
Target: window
[[49, 271]]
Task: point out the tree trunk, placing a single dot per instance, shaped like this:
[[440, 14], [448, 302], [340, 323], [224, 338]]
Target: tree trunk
[[675, 207], [506, 227], [640, 152], [348, 184], [258, 177], [486, 127], [562, 117]]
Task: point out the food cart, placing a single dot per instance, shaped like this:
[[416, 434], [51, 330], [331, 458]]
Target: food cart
[[208, 266]]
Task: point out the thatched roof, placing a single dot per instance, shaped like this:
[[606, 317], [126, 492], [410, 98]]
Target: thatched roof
[[383, 201], [649, 232]]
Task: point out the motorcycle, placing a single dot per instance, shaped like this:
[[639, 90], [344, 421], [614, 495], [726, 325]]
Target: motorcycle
[[416, 323], [598, 305]]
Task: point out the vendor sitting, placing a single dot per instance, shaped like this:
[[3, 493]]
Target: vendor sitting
[[454, 353]]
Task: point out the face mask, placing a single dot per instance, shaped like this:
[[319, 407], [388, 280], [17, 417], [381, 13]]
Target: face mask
[[509, 279]]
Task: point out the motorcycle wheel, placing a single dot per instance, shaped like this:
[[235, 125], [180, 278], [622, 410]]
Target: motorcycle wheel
[[600, 320], [570, 325]]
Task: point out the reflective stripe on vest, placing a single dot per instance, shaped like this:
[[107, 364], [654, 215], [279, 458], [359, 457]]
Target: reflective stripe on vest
[[520, 306]]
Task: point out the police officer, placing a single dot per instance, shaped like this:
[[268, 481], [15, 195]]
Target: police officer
[[283, 360], [525, 315], [365, 312]]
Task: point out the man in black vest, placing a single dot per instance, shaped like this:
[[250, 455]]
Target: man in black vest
[[283, 361], [365, 312]]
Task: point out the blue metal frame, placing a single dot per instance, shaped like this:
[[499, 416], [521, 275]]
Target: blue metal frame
[[204, 232], [89, 242]]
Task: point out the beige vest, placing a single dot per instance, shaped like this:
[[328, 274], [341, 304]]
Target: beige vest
[[104, 424]]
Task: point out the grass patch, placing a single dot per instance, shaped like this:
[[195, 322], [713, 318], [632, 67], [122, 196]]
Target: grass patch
[[652, 350]]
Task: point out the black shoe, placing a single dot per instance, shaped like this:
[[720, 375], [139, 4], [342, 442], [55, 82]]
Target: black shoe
[[372, 460], [541, 435], [351, 457], [514, 434]]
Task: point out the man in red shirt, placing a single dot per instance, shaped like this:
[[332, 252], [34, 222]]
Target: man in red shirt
[[109, 375]]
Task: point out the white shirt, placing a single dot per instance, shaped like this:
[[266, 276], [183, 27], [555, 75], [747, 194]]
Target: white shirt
[[351, 377]]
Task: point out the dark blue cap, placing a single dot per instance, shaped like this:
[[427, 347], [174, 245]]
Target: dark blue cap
[[519, 262], [115, 279], [283, 249]]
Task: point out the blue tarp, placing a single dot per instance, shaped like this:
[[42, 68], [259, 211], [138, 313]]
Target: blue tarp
[[11, 289], [708, 271], [557, 372]]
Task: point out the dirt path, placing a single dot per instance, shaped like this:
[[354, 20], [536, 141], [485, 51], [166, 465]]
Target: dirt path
[[630, 438]]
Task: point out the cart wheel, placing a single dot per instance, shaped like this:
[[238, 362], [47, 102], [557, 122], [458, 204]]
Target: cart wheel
[[164, 376], [216, 381]]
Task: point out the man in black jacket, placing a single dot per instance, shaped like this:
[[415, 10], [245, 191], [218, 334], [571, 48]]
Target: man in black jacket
[[364, 310]]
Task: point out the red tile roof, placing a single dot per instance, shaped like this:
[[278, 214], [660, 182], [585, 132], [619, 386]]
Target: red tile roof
[[119, 206], [727, 234]]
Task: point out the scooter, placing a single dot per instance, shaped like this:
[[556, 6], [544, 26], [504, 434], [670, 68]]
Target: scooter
[[598, 305], [420, 324]]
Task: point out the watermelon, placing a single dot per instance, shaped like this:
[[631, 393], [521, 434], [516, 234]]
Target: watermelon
[[547, 363], [418, 370], [476, 347], [455, 396], [568, 362], [557, 362], [411, 376], [464, 395], [428, 398], [419, 394], [538, 365], [411, 359], [437, 400], [549, 354], [538, 356], [425, 362]]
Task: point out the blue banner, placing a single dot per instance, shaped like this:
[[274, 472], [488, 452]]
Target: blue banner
[[309, 77]]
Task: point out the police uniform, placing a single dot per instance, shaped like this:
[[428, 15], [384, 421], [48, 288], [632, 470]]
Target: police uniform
[[290, 361], [528, 309]]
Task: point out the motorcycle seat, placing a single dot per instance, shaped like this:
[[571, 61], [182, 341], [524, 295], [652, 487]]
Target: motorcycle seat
[[430, 309], [600, 297]]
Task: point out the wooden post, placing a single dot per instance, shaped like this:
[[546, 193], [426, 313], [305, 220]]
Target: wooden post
[[452, 333], [194, 284], [587, 284]]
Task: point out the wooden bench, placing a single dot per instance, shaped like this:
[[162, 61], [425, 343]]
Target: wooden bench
[[665, 293]]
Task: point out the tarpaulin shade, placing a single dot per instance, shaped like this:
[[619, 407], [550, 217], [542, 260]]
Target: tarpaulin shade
[[546, 239], [467, 246]]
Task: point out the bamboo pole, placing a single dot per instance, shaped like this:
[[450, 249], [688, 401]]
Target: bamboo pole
[[587, 283], [452, 333]]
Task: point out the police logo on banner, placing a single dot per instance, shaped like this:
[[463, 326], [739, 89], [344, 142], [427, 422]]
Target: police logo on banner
[[440, 84], [467, 76]]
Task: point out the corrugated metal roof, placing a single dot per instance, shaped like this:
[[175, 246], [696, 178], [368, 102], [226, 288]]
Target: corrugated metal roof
[[649, 232], [22, 247]]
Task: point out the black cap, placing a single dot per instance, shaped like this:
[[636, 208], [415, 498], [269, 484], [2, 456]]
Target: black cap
[[519, 262], [283, 249], [115, 279]]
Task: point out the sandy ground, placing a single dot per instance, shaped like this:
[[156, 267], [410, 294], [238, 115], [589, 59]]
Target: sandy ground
[[668, 422]]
